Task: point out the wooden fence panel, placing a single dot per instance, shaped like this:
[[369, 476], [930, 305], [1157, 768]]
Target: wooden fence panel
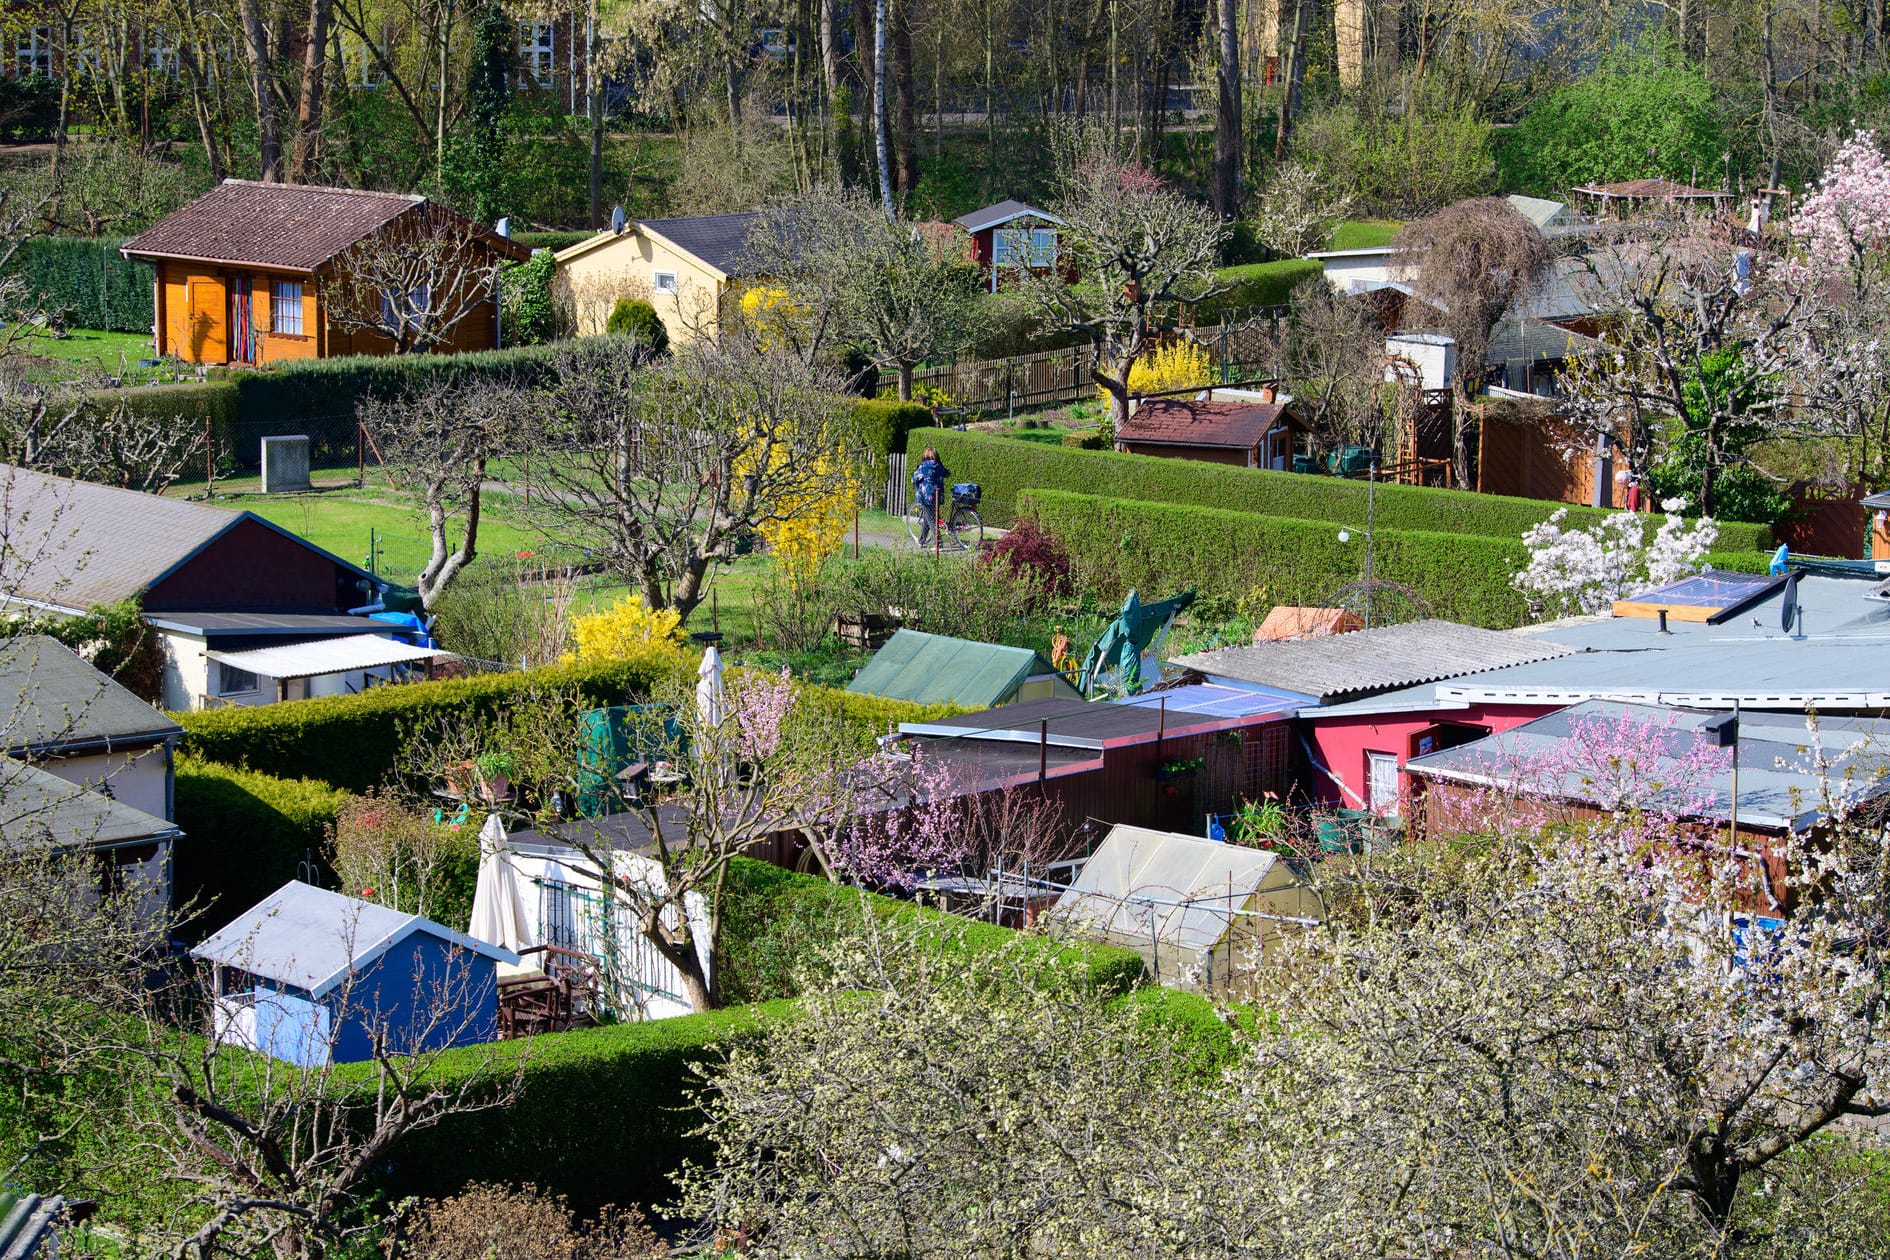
[[1827, 521]]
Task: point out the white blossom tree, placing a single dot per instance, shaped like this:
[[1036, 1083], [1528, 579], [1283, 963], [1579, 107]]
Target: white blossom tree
[[1585, 570]]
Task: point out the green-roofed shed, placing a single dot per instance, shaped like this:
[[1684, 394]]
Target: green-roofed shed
[[938, 669]]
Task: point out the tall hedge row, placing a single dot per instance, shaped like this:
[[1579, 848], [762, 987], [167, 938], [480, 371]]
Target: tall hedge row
[[84, 280], [1161, 548], [355, 740], [1006, 467], [245, 835], [293, 393], [885, 424]]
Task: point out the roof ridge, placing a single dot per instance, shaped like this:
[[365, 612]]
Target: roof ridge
[[412, 198], [202, 509]]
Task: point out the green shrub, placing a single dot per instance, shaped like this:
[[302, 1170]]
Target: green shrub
[[775, 921], [112, 637], [529, 316], [245, 835], [321, 388], [1085, 440], [884, 425], [633, 317], [356, 739], [1161, 548], [1005, 469], [85, 281], [1364, 233]]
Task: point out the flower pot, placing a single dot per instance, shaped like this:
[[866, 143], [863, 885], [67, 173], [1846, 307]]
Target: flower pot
[[459, 779], [494, 788]]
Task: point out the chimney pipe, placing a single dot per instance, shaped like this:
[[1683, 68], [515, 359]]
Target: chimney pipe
[[1663, 622]]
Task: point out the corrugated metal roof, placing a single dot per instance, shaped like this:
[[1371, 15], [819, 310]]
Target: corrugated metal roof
[[1653, 189], [1213, 700], [1364, 662], [311, 939], [324, 656], [50, 698], [1078, 723], [214, 625], [720, 240], [938, 669], [1001, 212], [40, 809], [1777, 778]]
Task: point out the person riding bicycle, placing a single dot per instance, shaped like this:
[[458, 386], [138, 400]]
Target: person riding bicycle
[[928, 486]]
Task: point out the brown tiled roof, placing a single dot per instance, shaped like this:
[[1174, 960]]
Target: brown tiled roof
[[290, 227], [1185, 422], [1288, 621]]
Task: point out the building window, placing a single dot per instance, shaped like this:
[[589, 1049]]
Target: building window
[[1381, 771], [1024, 247], [159, 54], [232, 681], [285, 307], [663, 281], [536, 51], [364, 67], [408, 310], [33, 54]]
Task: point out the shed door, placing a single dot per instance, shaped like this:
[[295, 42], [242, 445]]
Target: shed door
[[208, 342], [1382, 774]]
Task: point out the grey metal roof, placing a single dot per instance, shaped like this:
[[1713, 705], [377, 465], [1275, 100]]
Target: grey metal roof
[[212, 625], [1534, 340], [717, 239], [1538, 210], [88, 544], [939, 669], [1001, 212], [1778, 786], [38, 809], [310, 939], [51, 699], [26, 1225], [1364, 662]]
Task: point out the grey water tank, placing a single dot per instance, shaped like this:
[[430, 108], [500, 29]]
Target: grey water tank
[[285, 464]]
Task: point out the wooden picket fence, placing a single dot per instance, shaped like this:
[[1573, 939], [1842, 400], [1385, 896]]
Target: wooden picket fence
[[1003, 385]]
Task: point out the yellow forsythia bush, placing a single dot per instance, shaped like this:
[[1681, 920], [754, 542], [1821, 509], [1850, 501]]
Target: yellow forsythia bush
[[628, 630], [810, 526], [1178, 364], [774, 315]]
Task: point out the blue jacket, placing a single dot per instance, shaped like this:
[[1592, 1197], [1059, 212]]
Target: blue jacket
[[929, 480]]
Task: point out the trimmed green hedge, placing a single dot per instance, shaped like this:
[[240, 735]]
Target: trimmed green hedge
[[884, 424], [553, 241], [1006, 468], [294, 393], [354, 740], [245, 833], [180, 403], [1161, 548], [1259, 284], [775, 920], [86, 281]]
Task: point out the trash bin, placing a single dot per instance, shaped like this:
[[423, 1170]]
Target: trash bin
[[1305, 464]]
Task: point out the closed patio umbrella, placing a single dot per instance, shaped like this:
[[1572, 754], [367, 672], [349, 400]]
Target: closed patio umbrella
[[498, 913], [711, 700]]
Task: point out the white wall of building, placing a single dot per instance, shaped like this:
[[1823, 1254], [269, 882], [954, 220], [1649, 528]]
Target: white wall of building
[[140, 778]]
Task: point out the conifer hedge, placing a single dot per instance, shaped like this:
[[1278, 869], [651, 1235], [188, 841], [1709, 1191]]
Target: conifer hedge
[[85, 281], [1006, 467]]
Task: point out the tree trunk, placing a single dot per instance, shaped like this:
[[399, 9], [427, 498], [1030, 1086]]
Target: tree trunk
[[256, 46], [906, 170], [200, 107], [1294, 76], [309, 116], [1227, 149], [879, 108], [905, 382], [594, 111], [1459, 433]]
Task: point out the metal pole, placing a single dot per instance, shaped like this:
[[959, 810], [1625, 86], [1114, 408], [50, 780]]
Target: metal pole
[[1371, 500], [1043, 749], [1735, 781], [1161, 725]]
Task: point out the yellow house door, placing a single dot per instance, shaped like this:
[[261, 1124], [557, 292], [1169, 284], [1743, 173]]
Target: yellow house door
[[208, 339]]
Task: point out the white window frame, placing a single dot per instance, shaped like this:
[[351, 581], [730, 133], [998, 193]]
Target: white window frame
[[663, 282], [1382, 793], [159, 52], [33, 53], [1005, 246], [281, 302], [1043, 247], [538, 51], [224, 678]]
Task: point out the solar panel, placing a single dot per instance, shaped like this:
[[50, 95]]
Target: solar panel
[[1708, 590]]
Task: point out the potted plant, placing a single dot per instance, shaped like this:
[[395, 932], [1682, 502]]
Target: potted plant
[[1170, 771], [495, 771]]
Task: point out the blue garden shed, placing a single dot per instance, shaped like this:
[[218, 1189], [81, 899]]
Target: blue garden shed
[[312, 977]]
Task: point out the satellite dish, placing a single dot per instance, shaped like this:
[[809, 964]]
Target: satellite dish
[[617, 220], [1788, 607]]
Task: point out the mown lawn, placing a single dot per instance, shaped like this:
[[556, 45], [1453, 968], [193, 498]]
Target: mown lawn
[[88, 352], [1364, 233], [340, 521]]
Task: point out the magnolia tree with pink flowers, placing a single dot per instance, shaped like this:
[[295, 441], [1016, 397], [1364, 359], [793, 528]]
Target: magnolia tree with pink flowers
[[1844, 223], [1583, 571]]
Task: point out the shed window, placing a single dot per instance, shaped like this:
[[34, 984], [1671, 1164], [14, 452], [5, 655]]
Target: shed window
[[664, 282], [1024, 247], [285, 307], [1382, 776], [232, 681], [537, 51], [33, 54]]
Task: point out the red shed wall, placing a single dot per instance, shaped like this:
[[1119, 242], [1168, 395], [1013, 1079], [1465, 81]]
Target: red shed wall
[[1341, 744], [252, 568]]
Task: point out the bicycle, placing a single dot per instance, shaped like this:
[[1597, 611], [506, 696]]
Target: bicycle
[[962, 530]]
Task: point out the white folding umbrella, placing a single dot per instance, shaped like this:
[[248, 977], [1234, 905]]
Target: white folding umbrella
[[498, 913], [711, 700]]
